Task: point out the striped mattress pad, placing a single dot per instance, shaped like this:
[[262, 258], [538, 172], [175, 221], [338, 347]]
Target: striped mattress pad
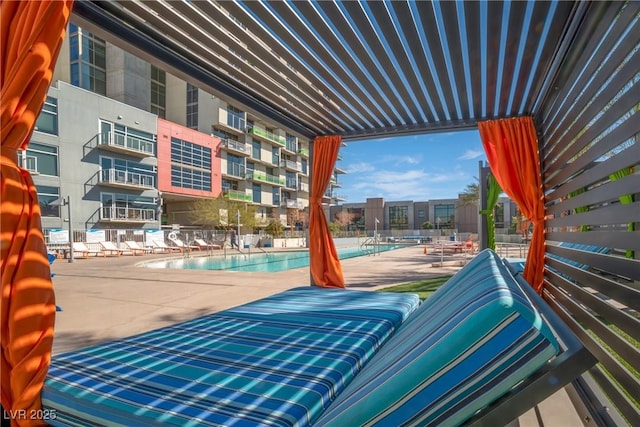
[[277, 361]]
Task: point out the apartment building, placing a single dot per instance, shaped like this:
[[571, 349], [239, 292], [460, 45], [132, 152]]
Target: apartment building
[[445, 214], [136, 146], [97, 154]]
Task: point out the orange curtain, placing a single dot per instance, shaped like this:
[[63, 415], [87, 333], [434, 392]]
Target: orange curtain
[[511, 146], [326, 270], [31, 36]]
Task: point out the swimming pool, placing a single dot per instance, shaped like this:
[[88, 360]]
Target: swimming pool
[[256, 261]]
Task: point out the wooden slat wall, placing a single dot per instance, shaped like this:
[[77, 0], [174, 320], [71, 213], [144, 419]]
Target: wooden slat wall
[[590, 129]]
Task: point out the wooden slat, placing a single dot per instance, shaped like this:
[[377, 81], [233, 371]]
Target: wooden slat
[[604, 193]]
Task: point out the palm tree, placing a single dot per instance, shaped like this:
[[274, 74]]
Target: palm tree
[[471, 194]]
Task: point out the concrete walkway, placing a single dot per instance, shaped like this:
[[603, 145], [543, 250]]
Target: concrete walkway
[[113, 297], [108, 298]]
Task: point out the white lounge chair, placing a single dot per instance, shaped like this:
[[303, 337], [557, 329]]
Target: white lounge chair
[[206, 246], [84, 251], [109, 248], [179, 243], [161, 246], [136, 249]]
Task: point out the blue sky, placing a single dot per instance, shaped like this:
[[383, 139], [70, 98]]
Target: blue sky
[[416, 167]]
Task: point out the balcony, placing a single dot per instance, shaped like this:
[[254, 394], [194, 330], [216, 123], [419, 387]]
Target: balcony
[[233, 122], [292, 204], [235, 146], [303, 187], [291, 165], [126, 179], [303, 152], [339, 170], [240, 196], [269, 136], [264, 177], [128, 144], [127, 214]]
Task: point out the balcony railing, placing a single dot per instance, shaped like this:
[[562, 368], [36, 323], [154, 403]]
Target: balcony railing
[[238, 195], [290, 165], [267, 135], [126, 178], [127, 214], [235, 145], [127, 142], [303, 186], [303, 152], [292, 204], [264, 177]]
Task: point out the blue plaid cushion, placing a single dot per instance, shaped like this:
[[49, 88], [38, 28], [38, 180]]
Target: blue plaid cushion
[[468, 344], [279, 361]]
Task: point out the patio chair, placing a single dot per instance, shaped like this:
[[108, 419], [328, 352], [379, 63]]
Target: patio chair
[[161, 246], [180, 244], [81, 250], [110, 248], [136, 249], [206, 246]]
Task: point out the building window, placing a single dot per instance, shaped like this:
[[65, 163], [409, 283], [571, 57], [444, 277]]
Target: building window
[[192, 106], [235, 165], [235, 118], [304, 163], [46, 195], [291, 143], [276, 196], [191, 165], [229, 185], [87, 60], [291, 180], [41, 159], [158, 92], [190, 178], [444, 216], [48, 119], [420, 213], [399, 217], [256, 149], [257, 193]]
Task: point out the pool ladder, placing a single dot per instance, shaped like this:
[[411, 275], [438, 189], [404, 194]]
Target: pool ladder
[[370, 242]]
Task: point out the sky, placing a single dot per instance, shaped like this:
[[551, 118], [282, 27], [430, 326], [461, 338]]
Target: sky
[[416, 167]]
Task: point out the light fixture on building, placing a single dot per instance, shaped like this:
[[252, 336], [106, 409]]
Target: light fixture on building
[[119, 117]]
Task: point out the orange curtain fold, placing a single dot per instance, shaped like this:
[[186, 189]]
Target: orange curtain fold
[[325, 266], [31, 34], [511, 146]]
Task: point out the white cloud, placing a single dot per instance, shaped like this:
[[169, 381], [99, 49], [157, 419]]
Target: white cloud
[[360, 167], [413, 184], [471, 154], [402, 160]]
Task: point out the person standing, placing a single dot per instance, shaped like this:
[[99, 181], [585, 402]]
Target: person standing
[[232, 235]]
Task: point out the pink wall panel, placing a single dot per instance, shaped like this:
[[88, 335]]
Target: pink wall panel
[[167, 130]]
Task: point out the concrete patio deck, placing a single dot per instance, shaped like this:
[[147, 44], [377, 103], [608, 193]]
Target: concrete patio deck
[[108, 298]]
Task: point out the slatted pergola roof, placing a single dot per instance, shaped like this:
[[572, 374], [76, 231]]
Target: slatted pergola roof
[[360, 69]]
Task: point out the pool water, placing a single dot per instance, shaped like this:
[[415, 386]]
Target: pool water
[[256, 261]]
